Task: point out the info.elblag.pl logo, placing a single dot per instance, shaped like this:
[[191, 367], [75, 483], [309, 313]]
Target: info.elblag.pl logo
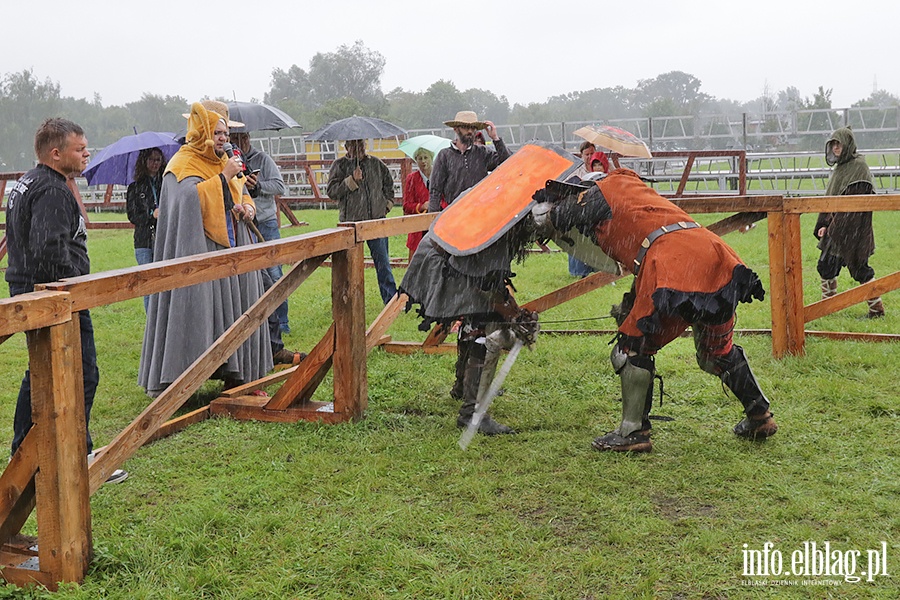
[[813, 560]]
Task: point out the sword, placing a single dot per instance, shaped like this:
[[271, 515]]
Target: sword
[[485, 402]]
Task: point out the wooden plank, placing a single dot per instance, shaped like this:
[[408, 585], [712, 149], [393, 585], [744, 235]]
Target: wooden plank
[[246, 408], [349, 309], [61, 485], [777, 285], [735, 223], [160, 410], [407, 348], [284, 209], [573, 290], [34, 310], [177, 424], [793, 274], [277, 377], [375, 332], [864, 203], [684, 176], [27, 577], [379, 228], [729, 204], [436, 336], [855, 295], [306, 376], [17, 487], [109, 287]]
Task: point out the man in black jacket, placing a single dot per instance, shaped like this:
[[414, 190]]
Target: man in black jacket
[[47, 241]]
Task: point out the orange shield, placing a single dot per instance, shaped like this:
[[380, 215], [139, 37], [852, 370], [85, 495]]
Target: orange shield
[[485, 212]]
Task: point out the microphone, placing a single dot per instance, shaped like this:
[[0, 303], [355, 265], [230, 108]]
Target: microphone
[[229, 150]]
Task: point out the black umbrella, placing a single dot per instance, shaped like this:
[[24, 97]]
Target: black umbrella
[[357, 128], [259, 117]]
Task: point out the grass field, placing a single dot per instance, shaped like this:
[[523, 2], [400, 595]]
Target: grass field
[[390, 507]]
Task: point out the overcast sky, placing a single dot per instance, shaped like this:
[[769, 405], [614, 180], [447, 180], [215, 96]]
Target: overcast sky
[[527, 50]]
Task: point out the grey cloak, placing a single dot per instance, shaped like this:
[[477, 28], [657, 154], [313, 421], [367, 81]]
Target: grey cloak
[[449, 287], [183, 323]]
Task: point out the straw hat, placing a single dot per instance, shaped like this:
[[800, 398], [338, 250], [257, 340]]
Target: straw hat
[[466, 118], [220, 108]]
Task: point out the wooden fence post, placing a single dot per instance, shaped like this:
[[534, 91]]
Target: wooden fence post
[[349, 311], [786, 284], [61, 484]]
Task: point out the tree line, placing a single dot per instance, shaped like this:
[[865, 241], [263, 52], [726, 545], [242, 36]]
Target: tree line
[[347, 81]]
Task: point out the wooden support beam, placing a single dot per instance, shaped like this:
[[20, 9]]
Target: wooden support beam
[[17, 487], [729, 204], [866, 291], [793, 274], [109, 287], [777, 285], [375, 332], [175, 425], [349, 309], [436, 336], [407, 348], [735, 223], [831, 204], [61, 484], [380, 228], [34, 310], [573, 290], [305, 377]]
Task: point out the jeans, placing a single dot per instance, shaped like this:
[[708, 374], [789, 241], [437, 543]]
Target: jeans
[[382, 259], [578, 268], [144, 256], [270, 231], [22, 420]]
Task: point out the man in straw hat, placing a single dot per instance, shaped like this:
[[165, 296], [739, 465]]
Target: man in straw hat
[[455, 170], [464, 163], [203, 207]]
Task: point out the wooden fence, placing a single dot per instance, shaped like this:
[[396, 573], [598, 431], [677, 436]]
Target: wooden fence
[[49, 473]]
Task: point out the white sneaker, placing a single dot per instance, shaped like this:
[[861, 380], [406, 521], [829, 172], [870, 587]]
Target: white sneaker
[[118, 476]]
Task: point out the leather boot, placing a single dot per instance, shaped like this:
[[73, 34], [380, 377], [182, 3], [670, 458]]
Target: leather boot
[[471, 382], [462, 354], [876, 308], [633, 433], [739, 378], [829, 288]]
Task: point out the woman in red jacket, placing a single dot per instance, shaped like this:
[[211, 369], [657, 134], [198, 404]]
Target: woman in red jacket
[[415, 194]]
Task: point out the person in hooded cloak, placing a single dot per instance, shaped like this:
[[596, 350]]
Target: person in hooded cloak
[[202, 208], [846, 239]]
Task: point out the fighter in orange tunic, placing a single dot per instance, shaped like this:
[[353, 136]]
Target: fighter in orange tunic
[[685, 275]]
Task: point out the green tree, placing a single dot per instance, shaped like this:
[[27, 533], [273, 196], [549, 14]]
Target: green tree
[[487, 105], [670, 94], [25, 102], [158, 113], [440, 102]]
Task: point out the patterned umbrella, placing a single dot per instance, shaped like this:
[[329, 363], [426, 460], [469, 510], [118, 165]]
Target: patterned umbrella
[[615, 139]]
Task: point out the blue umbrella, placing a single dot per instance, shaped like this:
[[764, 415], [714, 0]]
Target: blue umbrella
[[115, 163]]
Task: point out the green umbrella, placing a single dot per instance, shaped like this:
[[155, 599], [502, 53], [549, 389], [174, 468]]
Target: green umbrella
[[432, 143]]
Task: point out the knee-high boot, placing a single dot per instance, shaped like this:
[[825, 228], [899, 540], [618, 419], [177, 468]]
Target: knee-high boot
[[738, 376], [472, 373]]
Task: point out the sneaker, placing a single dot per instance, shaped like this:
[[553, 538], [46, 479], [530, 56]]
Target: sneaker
[[118, 476]]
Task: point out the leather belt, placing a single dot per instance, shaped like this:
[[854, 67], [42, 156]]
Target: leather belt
[[654, 235]]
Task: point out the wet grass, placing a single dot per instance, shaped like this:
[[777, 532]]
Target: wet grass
[[389, 507]]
